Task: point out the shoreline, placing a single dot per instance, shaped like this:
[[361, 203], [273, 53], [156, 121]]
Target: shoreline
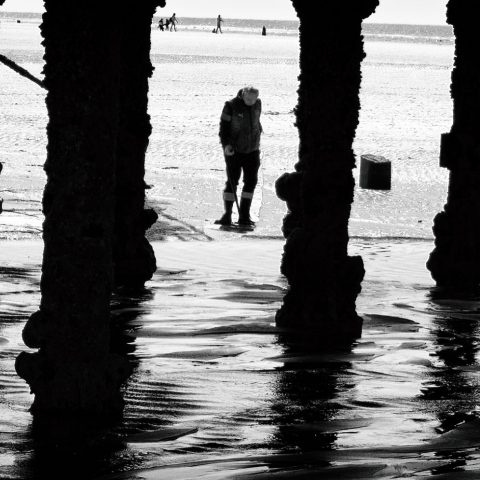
[[403, 253]]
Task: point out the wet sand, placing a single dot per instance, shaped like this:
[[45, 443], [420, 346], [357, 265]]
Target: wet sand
[[219, 392]]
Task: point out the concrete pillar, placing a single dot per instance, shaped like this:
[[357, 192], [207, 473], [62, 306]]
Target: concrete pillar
[[323, 280], [455, 261]]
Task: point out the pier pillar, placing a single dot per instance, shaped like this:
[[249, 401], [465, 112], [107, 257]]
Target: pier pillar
[[455, 260], [323, 280], [96, 73], [134, 260], [73, 371]]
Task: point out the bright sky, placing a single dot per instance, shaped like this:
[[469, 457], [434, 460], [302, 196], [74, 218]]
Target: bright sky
[[429, 12]]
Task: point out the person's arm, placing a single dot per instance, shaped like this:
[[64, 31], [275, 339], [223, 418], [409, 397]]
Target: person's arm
[[225, 124], [259, 115]]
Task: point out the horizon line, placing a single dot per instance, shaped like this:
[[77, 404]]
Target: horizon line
[[249, 18]]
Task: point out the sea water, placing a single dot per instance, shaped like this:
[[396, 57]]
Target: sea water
[[405, 107]]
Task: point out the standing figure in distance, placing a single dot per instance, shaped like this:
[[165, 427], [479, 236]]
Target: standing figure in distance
[[1, 199], [160, 24], [173, 22], [219, 24], [240, 131]]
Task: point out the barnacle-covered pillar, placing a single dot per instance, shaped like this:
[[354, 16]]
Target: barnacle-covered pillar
[[1, 165], [455, 261], [323, 280], [133, 255], [73, 370]]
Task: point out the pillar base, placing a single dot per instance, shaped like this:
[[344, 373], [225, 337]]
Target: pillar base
[[322, 294], [75, 388]]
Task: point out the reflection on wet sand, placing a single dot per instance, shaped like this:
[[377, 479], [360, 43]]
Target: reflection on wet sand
[[452, 391], [217, 391], [303, 406]]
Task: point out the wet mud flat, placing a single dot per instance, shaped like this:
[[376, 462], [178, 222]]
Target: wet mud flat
[[218, 392]]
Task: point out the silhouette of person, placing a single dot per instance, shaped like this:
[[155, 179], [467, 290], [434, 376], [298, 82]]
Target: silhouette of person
[[240, 131], [160, 24], [264, 30], [219, 24], [1, 199], [173, 22]]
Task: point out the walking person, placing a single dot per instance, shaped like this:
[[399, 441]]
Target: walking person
[[240, 131], [160, 24], [173, 22], [219, 24]]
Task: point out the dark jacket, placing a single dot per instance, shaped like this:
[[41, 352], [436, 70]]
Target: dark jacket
[[240, 125]]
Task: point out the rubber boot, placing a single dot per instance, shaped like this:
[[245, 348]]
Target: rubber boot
[[226, 218], [244, 215]]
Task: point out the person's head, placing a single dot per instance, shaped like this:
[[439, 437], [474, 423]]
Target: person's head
[[250, 95]]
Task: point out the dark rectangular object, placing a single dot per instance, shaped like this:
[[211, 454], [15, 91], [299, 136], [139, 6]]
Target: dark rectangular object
[[375, 172]]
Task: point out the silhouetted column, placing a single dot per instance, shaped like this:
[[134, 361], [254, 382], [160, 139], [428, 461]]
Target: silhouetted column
[[323, 280], [134, 258], [73, 371], [455, 261]]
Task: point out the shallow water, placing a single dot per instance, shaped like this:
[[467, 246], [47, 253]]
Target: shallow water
[[219, 392]]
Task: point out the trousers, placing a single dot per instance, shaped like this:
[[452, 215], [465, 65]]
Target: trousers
[[249, 163]]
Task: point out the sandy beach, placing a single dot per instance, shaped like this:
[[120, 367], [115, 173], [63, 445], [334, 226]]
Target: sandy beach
[[406, 106], [218, 391]]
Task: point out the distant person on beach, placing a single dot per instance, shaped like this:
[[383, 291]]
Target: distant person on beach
[[160, 24], [167, 23], [240, 131], [219, 24], [264, 30], [173, 22]]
